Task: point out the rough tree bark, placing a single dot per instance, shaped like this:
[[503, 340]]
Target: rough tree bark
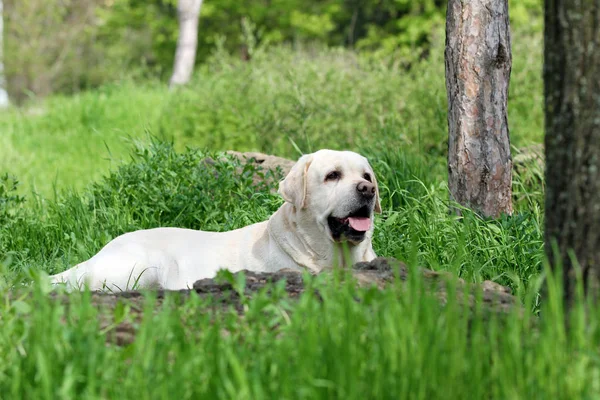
[[478, 65], [572, 108], [188, 13], [3, 89]]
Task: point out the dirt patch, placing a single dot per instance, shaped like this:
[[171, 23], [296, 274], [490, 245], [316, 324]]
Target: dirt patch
[[379, 273]]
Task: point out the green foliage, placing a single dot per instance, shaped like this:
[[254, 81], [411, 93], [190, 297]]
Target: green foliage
[[402, 28], [526, 15], [158, 188], [10, 200], [282, 101], [142, 33], [375, 25], [66, 46], [398, 27]]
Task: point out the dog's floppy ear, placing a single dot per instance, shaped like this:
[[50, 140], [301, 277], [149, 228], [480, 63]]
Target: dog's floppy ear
[[293, 187]]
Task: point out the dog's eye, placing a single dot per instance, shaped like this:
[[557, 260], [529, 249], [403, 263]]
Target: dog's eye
[[367, 176], [333, 176]]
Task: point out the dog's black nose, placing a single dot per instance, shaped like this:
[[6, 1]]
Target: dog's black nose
[[366, 189]]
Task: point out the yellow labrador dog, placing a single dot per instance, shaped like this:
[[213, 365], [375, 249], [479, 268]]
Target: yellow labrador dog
[[330, 197]]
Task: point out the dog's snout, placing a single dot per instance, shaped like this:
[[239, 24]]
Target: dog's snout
[[366, 189]]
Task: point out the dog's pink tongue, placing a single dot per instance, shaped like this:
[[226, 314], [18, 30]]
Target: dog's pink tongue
[[360, 224]]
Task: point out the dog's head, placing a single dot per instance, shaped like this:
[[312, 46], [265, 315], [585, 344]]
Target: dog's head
[[338, 189]]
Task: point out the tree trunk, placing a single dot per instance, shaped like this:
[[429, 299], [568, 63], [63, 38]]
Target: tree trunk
[[188, 13], [3, 89], [478, 64], [572, 108]]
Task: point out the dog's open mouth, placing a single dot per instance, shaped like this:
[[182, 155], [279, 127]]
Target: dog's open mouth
[[352, 227]]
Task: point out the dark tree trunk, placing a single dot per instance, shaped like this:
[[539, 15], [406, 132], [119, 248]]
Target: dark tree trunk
[[478, 64], [572, 108]]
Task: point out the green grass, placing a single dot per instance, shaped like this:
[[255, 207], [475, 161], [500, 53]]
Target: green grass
[[91, 184], [283, 100], [355, 344], [393, 343]]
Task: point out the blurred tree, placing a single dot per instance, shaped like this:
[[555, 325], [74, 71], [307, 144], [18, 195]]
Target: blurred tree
[[188, 13], [49, 45], [478, 64], [3, 90], [572, 109]]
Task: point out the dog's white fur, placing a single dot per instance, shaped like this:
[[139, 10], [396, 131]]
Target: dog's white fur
[[296, 236]]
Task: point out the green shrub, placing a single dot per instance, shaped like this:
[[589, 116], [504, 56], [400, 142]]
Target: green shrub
[[10, 200], [159, 187]]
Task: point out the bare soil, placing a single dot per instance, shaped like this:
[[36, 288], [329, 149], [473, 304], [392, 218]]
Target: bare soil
[[378, 273]]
